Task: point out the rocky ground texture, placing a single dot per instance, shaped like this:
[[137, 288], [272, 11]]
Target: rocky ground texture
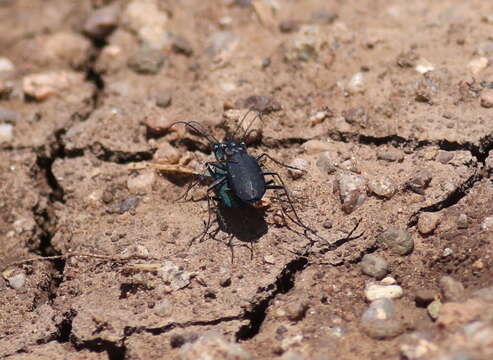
[[386, 106]]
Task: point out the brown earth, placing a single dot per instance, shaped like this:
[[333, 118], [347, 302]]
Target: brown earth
[[393, 95]]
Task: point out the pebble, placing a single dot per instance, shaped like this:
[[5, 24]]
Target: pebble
[[445, 156], [164, 308], [147, 60], [6, 133], [43, 85], [305, 44], [417, 346], [158, 123], [167, 154], [352, 190], [477, 65], [326, 164], [174, 276], [356, 116], [391, 155], [318, 117], [288, 26], [356, 84], [487, 98], [428, 222], [452, 290], [213, 346], [142, 183], [164, 98], [301, 164], [447, 252], [178, 340], [296, 310], [220, 42], [123, 206], [6, 65], [382, 186], [323, 17], [487, 223], [145, 18], [375, 266], [423, 66], [316, 146], [377, 291], [181, 45], [400, 242], [380, 321], [433, 309], [66, 47], [423, 297], [17, 281], [420, 181], [102, 21], [261, 103]]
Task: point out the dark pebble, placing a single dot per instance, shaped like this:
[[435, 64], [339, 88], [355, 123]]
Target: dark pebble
[[178, 340], [356, 116], [263, 103], [123, 206], [287, 26], [423, 297], [420, 181], [102, 22], [400, 242], [181, 45], [445, 156]]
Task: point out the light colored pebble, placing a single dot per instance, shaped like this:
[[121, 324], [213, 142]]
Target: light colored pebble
[[43, 85], [164, 308], [487, 223], [317, 118], [423, 66], [6, 133], [301, 164], [388, 280], [175, 276], [487, 98], [382, 186], [325, 163], [452, 289], [142, 183], [379, 321], [428, 222], [377, 291], [316, 146], [213, 346], [433, 309], [356, 84], [17, 281], [167, 154], [352, 190], [6, 65], [477, 65]]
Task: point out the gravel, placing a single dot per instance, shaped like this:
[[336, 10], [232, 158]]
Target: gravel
[[377, 291], [382, 186], [352, 190], [420, 181], [102, 21], [428, 222], [452, 290], [123, 206], [147, 60], [213, 346]]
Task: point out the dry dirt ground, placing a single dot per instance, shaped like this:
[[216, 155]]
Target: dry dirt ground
[[388, 107]]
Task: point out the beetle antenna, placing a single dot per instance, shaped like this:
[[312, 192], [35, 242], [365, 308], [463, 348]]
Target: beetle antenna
[[247, 130], [197, 127], [241, 122]]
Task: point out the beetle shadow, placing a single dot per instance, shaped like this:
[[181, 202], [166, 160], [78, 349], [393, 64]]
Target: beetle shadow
[[246, 224]]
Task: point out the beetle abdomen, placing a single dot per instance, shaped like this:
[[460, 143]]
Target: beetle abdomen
[[246, 178]]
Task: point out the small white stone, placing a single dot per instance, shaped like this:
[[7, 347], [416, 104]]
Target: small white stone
[[388, 280], [423, 66], [17, 281], [376, 291], [356, 84], [487, 223], [6, 133], [478, 65], [6, 65]]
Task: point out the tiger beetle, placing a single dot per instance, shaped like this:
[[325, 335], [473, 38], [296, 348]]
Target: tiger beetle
[[238, 178]]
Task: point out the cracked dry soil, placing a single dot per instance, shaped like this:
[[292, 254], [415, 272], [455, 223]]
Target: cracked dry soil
[[386, 91]]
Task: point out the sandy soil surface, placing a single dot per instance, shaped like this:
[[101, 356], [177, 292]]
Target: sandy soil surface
[[386, 105]]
